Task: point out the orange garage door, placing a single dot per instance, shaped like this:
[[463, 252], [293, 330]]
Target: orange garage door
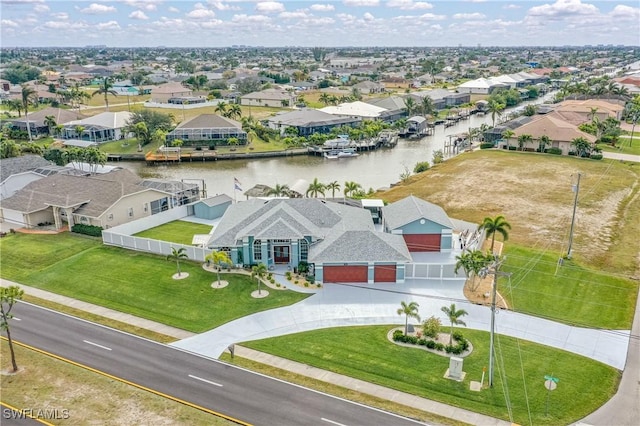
[[384, 274], [345, 274], [422, 242]]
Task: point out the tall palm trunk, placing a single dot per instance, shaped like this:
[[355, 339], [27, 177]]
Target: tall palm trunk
[[13, 355]]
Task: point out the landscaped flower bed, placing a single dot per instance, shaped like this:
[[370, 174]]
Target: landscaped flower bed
[[460, 347]]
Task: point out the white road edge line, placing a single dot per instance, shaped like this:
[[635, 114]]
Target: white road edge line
[[332, 422], [17, 319], [205, 380], [95, 344]]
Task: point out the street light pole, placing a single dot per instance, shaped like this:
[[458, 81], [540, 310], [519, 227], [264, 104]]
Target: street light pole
[[573, 217], [494, 291]]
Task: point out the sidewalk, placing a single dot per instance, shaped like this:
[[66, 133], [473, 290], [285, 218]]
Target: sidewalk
[[621, 157], [403, 398], [99, 310]]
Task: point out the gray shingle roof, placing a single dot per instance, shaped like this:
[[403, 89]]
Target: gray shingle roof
[[61, 116], [95, 193], [217, 200], [307, 117], [209, 121], [24, 163], [410, 209], [360, 246], [303, 216]]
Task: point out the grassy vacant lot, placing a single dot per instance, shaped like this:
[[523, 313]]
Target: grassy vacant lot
[[178, 231], [533, 192], [572, 293], [365, 353], [132, 282], [47, 383], [126, 146]]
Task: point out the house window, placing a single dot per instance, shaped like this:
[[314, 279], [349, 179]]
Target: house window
[[130, 211], [110, 217], [257, 250], [304, 249]]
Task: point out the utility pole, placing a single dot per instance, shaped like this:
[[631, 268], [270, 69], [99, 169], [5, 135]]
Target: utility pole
[[496, 265], [573, 217]]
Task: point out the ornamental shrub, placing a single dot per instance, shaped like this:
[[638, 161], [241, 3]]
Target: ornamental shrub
[[554, 151], [596, 156], [420, 167], [397, 335], [486, 145], [431, 326], [94, 231]]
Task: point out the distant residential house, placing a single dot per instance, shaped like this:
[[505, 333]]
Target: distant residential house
[[206, 129], [560, 132], [309, 121], [481, 86], [37, 120], [394, 105], [104, 200], [581, 111], [270, 98], [357, 109], [103, 127], [164, 92], [370, 87]]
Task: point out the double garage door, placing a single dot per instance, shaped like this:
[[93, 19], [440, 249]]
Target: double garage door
[[358, 274]]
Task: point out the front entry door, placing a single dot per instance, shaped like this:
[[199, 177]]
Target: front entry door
[[281, 254]]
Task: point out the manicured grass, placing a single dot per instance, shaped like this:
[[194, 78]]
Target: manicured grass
[[90, 398], [133, 282], [178, 231], [126, 146], [623, 145], [366, 353], [571, 293]]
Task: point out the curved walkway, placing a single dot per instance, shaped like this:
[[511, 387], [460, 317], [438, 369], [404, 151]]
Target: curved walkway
[[343, 305]]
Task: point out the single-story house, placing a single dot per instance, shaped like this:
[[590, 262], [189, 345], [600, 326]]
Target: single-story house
[[207, 129], [37, 120], [581, 111], [270, 98], [308, 121], [424, 226], [357, 109], [560, 132], [394, 105], [104, 127], [370, 87], [161, 94], [104, 200]]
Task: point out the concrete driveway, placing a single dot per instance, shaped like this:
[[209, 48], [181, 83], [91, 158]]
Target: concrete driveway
[[348, 305]]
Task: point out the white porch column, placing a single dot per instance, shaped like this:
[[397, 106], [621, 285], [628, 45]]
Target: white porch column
[[56, 217], [69, 212]]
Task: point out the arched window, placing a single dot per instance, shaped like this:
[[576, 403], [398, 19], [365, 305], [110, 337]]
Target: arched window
[[304, 249], [257, 250]]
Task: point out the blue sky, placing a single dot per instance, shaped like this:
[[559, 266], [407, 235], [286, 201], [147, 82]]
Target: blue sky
[[216, 23]]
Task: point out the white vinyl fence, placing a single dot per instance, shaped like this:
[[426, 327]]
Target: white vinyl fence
[[431, 271]]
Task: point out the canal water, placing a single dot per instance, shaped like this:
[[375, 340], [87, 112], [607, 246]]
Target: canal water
[[374, 169]]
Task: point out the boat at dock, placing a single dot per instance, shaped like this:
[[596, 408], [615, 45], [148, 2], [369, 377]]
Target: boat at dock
[[343, 153]]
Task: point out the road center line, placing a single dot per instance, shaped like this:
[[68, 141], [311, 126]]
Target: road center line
[[332, 422], [95, 344], [205, 380]]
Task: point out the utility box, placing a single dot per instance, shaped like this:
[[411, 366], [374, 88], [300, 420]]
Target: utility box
[[454, 372]]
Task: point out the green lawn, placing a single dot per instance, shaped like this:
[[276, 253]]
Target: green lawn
[[178, 231], [365, 353], [132, 282], [575, 294], [623, 145], [125, 146]]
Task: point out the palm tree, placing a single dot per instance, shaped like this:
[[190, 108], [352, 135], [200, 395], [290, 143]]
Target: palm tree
[[472, 262], [315, 188], [50, 122], [454, 315], [523, 140], [105, 89], [497, 225], [79, 131], [234, 112], [28, 95], [495, 108], [333, 187], [408, 310], [507, 135], [325, 98], [543, 141], [581, 145], [176, 255], [427, 106], [221, 108], [410, 106], [279, 190], [259, 271], [218, 257], [14, 105], [350, 188], [8, 298]]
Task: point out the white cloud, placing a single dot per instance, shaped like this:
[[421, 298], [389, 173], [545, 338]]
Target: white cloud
[[174, 9], [219, 5], [148, 5], [96, 9], [57, 25], [111, 25], [563, 8], [622, 12], [408, 4], [359, 3], [9, 23], [242, 19], [60, 15], [298, 14], [368, 17], [201, 14], [511, 6], [138, 14], [40, 8], [322, 7], [469, 16], [270, 7]]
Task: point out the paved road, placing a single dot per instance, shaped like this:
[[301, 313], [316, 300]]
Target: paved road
[[243, 395], [11, 417]]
